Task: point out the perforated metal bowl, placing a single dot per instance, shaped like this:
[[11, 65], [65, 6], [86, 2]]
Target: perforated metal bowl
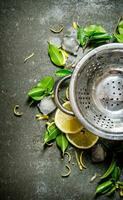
[[96, 91]]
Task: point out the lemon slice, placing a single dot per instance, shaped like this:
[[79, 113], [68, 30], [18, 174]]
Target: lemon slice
[[66, 123], [83, 140]]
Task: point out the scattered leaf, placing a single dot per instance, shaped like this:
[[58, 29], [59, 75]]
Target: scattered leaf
[[36, 93], [51, 133], [62, 142], [46, 83], [81, 36], [56, 55], [94, 29], [101, 37], [119, 37], [120, 27], [63, 72], [43, 88]]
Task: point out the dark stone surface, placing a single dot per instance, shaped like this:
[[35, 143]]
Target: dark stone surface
[[27, 172]]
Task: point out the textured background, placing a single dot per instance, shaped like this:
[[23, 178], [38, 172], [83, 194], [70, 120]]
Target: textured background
[[27, 172]]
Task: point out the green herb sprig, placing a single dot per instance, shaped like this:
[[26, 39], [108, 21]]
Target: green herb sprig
[[53, 133], [110, 182], [93, 35], [42, 89], [118, 35]]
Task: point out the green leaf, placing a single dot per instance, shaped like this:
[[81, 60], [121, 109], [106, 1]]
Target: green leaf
[[56, 55], [119, 37], [62, 142], [81, 36], [36, 93], [116, 173], [120, 27], [92, 29], [109, 170], [46, 83], [43, 88], [63, 72], [101, 37], [51, 133]]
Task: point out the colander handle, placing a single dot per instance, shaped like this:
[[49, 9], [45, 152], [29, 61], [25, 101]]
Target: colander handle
[[57, 100]]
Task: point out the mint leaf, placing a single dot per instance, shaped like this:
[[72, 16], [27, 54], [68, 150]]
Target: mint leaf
[[43, 88], [94, 29], [119, 37], [56, 55], [36, 93], [46, 83], [51, 133], [62, 142], [81, 36], [63, 72]]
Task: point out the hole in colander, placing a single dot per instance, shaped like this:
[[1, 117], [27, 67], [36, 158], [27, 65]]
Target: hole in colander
[[113, 86], [111, 99], [119, 93], [107, 83], [118, 82], [112, 104], [112, 81], [117, 98], [117, 104], [113, 92], [118, 88]]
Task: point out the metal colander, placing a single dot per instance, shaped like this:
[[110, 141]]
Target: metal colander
[[96, 91]]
